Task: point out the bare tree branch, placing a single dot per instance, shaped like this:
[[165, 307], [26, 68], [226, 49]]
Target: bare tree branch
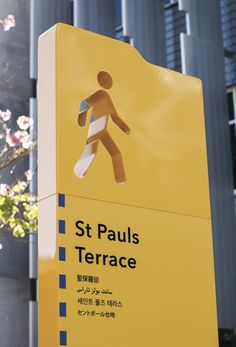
[[17, 157]]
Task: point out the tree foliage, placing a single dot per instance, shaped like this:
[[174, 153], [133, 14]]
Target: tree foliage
[[18, 209]]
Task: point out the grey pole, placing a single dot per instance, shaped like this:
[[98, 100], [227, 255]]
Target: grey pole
[[143, 22], [202, 56], [33, 237], [97, 16]]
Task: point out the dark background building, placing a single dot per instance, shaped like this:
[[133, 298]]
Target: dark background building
[[196, 37]]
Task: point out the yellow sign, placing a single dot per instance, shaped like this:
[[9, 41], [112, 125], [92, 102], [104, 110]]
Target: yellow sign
[[125, 245]]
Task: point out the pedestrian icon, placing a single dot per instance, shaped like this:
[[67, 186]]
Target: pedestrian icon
[[100, 108]]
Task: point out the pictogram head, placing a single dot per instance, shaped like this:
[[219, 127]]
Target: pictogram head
[[104, 79]]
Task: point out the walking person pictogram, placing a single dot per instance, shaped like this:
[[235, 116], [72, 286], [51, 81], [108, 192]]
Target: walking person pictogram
[[101, 108]]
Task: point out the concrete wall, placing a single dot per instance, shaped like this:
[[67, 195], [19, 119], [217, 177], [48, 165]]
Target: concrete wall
[[14, 297]]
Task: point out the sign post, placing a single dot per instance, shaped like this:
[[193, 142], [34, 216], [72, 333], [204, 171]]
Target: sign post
[[125, 243]]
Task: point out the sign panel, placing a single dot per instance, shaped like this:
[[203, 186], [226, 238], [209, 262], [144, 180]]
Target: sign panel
[[125, 245]]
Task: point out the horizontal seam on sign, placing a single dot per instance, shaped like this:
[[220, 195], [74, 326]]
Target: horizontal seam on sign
[[49, 196], [123, 204], [136, 206]]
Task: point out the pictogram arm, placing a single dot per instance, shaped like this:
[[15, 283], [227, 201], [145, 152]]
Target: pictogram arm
[[120, 123], [82, 116]]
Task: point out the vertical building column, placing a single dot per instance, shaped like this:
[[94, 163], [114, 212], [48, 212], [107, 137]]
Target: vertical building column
[[43, 15], [96, 16], [143, 22], [202, 56]]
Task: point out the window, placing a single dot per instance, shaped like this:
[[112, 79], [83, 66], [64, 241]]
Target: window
[[119, 25], [232, 124], [118, 13]]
